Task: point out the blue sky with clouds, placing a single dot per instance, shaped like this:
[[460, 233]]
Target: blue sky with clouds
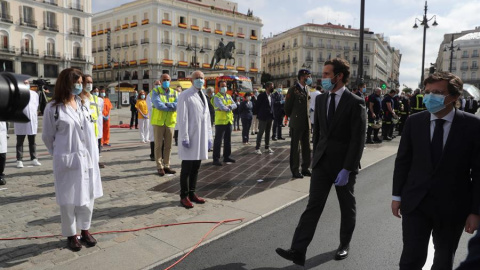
[[394, 18]]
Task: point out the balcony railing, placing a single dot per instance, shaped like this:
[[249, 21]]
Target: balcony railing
[[6, 49], [207, 47], [135, 77], [78, 57], [51, 2], [117, 46], [28, 22], [76, 7], [474, 55], [126, 76], [309, 44], [320, 60], [29, 52], [94, 50], [329, 46], [474, 68], [51, 55], [100, 49], [295, 59], [465, 55], [144, 41], [50, 27], [134, 43], [464, 68], [254, 53], [146, 76], [6, 18], [240, 51], [182, 44], [321, 45], [77, 32], [346, 48], [355, 48], [295, 45], [125, 44], [167, 41], [355, 62], [309, 59]]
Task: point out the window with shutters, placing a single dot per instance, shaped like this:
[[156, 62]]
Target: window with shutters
[[28, 17], [4, 39], [50, 47], [51, 21], [76, 25]]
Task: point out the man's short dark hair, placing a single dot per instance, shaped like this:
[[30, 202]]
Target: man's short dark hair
[[220, 82], [392, 91], [455, 84], [268, 83], [340, 66]]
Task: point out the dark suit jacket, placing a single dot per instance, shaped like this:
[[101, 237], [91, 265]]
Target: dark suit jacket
[[278, 109], [297, 107], [342, 142], [455, 181], [133, 101], [262, 107], [474, 106]]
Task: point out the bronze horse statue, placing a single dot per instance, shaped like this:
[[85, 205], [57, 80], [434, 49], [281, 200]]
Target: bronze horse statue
[[226, 53]]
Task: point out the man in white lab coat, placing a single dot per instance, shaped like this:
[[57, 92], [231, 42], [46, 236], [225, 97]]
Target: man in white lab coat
[[195, 134], [28, 129]]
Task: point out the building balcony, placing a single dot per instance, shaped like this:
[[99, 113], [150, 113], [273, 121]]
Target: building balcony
[[144, 41], [320, 60], [29, 52], [309, 44], [346, 48], [309, 59], [208, 47], [77, 32], [240, 51], [51, 2], [253, 53], [329, 46], [295, 60], [134, 43], [51, 55], [464, 68], [367, 49], [117, 46], [28, 22], [7, 50], [100, 49], [295, 45], [474, 68], [182, 44], [76, 7], [355, 62], [134, 77], [94, 50], [355, 48], [125, 44], [6, 18], [465, 56], [78, 57], [167, 41], [321, 46], [474, 55], [366, 63]]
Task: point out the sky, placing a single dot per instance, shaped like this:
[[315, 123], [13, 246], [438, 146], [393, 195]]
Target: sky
[[393, 18]]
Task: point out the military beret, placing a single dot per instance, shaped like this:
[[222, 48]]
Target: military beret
[[302, 72]]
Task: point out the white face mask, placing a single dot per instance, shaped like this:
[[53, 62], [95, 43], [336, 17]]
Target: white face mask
[[89, 87], [223, 90]]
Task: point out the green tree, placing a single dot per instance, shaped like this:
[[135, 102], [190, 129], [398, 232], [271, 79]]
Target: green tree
[[266, 77]]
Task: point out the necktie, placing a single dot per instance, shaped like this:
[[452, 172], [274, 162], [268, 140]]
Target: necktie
[[201, 96], [437, 141], [331, 109]]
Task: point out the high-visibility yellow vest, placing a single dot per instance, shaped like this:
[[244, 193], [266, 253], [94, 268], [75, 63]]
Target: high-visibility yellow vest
[[223, 117], [94, 113], [163, 118], [419, 103]]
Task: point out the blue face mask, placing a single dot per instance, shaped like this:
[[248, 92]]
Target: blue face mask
[[77, 89], [364, 90], [434, 102], [166, 84], [327, 84], [102, 94], [308, 81], [198, 83], [95, 93], [279, 90], [142, 96]]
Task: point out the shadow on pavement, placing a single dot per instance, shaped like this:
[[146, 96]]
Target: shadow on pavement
[[20, 254], [7, 200]]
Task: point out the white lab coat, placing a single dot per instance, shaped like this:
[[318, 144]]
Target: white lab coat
[[3, 137], [31, 111], [150, 126], [71, 141], [313, 97], [100, 118], [193, 121]]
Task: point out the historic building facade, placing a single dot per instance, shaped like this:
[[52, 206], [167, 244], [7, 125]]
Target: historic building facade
[[147, 38]]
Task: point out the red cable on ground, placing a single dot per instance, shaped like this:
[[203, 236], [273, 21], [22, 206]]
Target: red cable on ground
[[217, 224]]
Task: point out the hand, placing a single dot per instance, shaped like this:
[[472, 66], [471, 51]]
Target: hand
[[472, 223], [396, 208], [342, 178], [373, 115], [186, 143], [210, 143], [169, 105]]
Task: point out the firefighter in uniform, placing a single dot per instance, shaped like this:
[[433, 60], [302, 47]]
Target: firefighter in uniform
[[388, 115], [396, 109], [374, 116], [404, 113], [416, 102]]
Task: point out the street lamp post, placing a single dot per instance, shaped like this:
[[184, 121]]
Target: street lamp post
[[194, 49], [424, 22], [451, 48]]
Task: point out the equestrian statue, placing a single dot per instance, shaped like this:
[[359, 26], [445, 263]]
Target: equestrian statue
[[223, 52]]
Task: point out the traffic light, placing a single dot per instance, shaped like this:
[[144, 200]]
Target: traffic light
[[384, 86]]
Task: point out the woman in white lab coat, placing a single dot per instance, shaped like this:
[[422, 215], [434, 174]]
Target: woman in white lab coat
[[195, 135], [70, 138]]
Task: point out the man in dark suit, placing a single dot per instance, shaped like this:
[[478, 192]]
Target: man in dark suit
[[264, 109], [134, 116], [471, 105], [436, 180], [297, 106], [338, 141], [278, 113]]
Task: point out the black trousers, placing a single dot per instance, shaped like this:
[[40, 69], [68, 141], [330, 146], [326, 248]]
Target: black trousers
[[99, 145], [222, 132], [32, 147], [134, 117], [263, 126], [428, 219], [246, 124], [320, 185], [401, 123], [188, 177], [3, 160], [277, 127], [152, 150], [300, 138]]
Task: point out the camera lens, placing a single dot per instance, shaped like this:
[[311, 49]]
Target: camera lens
[[14, 97]]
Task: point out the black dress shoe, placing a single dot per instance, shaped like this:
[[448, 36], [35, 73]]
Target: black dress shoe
[[231, 160], [217, 163], [292, 255], [2, 180], [369, 142], [306, 173], [281, 138], [387, 138], [73, 243], [297, 175], [342, 252], [274, 139], [88, 239]]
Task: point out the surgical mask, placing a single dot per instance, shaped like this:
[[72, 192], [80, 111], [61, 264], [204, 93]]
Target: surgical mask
[[136, 95], [198, 83], [364, 90], [223, 90], [434, 102], [95, 94], [102, 94], [89, 87], [77, 89], [157, 85], [279, 90], [166, 84], [256, 94], [249, 98], [308, 81], [142, 96]]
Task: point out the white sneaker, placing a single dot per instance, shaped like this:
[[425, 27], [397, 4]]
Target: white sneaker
[[19, 164], [258, 152], [36, 163], [269, 151]]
